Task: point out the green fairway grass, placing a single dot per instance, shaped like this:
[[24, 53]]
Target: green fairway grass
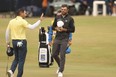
[[93, 49]]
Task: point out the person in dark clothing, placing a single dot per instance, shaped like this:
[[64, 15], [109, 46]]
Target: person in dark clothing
[[111, 7], [36, 7], [86, 5], [63, 25]]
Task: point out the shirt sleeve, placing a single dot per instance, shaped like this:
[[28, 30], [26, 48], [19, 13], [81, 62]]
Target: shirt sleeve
[[7, 33], [34, 25], [25, 23], [54, 24]]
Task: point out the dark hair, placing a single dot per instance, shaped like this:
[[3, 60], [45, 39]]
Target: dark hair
[[59, 10], [65, 5], [19, 11]]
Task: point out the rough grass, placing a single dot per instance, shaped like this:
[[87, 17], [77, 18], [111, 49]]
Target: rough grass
[[93, 49]]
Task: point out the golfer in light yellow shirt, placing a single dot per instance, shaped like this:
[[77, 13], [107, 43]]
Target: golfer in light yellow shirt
[[16, 28]]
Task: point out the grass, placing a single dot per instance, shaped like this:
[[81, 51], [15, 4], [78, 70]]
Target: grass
[[93, 49]]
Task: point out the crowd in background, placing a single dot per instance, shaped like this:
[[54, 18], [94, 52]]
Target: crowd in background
[[111, 7], [36, 7]]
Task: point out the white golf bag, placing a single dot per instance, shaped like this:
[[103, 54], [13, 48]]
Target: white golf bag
[[44, 52]]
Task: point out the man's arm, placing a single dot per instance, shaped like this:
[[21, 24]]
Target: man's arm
[[7, 37], [36, 24], [56, 28], [71, 28], [54, 24]]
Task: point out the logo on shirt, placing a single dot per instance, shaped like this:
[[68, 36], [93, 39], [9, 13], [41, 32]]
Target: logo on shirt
[[66, 20]]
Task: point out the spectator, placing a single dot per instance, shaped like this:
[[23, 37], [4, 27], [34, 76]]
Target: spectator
[[111, 7], [86, 5], [44, 6]]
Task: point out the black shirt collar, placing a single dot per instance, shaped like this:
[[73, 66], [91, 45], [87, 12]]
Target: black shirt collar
[[63, 16]]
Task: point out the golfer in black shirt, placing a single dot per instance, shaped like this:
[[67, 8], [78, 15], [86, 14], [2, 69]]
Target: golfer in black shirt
[[64, 25]]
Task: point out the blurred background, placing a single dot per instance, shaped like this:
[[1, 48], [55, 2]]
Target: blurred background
[[50, 7]]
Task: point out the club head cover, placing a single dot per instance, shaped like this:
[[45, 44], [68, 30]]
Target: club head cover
[[68, 50]]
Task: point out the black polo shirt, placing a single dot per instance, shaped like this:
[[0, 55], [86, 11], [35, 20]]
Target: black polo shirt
[[68, 24]]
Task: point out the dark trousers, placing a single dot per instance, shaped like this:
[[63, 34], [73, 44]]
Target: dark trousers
[[20, 55], [59, 48]]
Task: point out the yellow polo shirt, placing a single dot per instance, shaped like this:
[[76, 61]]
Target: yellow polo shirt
[[17, 27]]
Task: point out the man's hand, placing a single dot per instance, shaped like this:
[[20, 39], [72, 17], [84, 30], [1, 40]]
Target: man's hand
[[57, 29], [50, 43], [69, 42], [60, 29], [63, 29], [8, 44], [41, 17]]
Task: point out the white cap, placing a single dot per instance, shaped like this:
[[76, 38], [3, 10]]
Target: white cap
[[60, 23]]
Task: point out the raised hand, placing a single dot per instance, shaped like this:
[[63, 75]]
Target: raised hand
[[41, 17]]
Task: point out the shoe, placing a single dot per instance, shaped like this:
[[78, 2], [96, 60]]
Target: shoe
[[10, 73], [57, 71], [60, 74]]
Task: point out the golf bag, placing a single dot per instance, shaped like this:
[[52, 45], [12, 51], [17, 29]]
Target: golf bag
[[44, 51]]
